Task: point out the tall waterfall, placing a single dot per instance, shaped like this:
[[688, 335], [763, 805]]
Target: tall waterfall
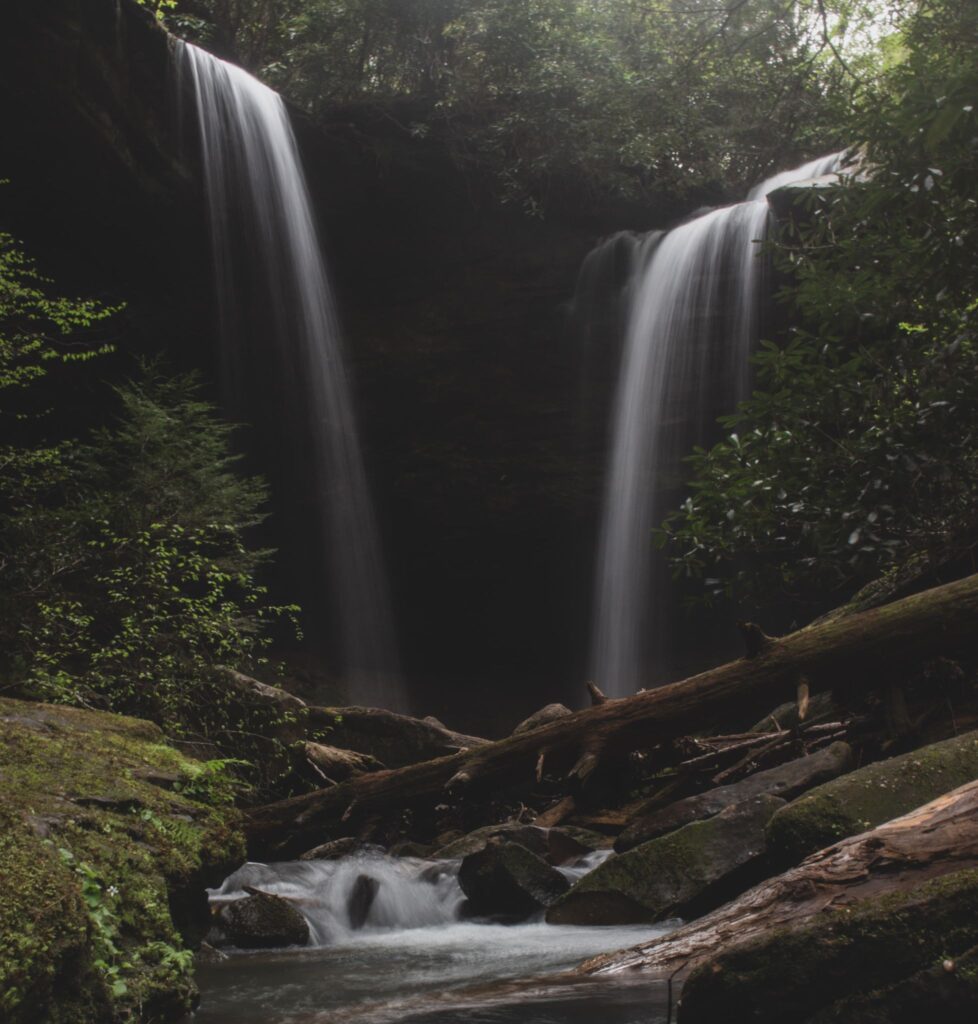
[[270, 271], [692, 323]]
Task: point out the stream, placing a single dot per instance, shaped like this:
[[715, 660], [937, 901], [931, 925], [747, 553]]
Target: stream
[[415, 958]]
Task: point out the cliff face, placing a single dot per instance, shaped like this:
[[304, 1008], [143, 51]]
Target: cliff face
[[468, 381]]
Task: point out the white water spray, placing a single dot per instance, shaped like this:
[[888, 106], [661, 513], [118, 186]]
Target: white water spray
[[408, 893], [270, 268], [691, 328]]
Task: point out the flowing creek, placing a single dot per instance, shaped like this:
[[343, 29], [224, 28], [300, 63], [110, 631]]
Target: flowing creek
[[413, 953]]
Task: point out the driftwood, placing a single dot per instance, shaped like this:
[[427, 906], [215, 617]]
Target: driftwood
[[854, 653], [934, 840]]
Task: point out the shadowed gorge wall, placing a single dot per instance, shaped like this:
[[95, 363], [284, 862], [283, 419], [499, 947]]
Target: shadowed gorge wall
[[466, 378]]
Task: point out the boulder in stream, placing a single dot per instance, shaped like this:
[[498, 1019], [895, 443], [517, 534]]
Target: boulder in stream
[[786, 780], [507, 880], [532, 837], [361, 899], [701, 864], [870, 796], [263, 921]]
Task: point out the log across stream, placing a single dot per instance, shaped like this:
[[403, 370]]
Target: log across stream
[[413, 955]]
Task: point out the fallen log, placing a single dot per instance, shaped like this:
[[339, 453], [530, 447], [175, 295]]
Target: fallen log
[[935, 840], [852, 654]]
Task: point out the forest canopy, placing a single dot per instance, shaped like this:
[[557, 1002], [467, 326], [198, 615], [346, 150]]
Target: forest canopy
[[605, 97], [857, 453]]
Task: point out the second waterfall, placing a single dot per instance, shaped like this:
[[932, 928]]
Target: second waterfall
[[691, 324], [281, 349]]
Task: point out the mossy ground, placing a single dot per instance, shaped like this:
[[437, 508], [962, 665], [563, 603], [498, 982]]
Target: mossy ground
[[871, 796], [814, 972], [107, 838]]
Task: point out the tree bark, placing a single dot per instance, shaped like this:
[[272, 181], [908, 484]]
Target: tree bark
[[849, 655], [937, 839]]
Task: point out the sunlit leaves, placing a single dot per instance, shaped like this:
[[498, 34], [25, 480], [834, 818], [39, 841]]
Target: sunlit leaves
[[859, 447]]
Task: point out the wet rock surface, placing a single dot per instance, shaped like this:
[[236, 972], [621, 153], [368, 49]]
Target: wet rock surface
[[669, 875], [263, 921], [870, 796], [786, 781], [362, 897], [507, 880], [531, 837]]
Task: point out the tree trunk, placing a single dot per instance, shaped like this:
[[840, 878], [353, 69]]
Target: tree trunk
[[853, 654], [934, 840]]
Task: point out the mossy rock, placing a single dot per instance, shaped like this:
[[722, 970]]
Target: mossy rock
[[107, 840], [946, 991], [813, 973], [704, 862], [863, 799]]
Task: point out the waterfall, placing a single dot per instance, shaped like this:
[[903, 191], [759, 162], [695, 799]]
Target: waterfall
[[692, 323], [405, 893], [281, 347]]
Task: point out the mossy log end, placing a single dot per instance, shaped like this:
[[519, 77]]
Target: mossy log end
[[854, 653], [933, 841]]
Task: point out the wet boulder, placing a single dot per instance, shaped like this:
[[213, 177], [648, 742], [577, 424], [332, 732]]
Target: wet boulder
[[870, 796], [361, 899], [532, 837], [263, 921], [507, 880], [567, 843], [786, 781], [687, 871]]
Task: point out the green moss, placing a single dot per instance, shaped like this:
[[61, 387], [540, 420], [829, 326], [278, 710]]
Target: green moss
[[870, 796], [103, 861], [660, 877], [793, 974]]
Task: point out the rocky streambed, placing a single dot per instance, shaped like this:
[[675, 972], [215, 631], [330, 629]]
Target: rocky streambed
[[396, 938]]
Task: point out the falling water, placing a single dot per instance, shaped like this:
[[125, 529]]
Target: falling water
[[407, 951], [271, 280], [691, 327]]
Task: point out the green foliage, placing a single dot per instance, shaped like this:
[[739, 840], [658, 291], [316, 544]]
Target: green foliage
[[141, 583], [92, 913], [126, 580], [859, 446], [609, 96]]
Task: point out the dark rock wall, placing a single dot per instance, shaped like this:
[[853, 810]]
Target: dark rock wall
[[485, 469]]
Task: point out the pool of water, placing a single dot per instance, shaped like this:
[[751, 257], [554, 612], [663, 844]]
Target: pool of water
[[406, 974], [414, 960]]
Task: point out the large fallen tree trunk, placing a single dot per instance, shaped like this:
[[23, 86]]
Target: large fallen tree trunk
[[852, 654], [932, 841]]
